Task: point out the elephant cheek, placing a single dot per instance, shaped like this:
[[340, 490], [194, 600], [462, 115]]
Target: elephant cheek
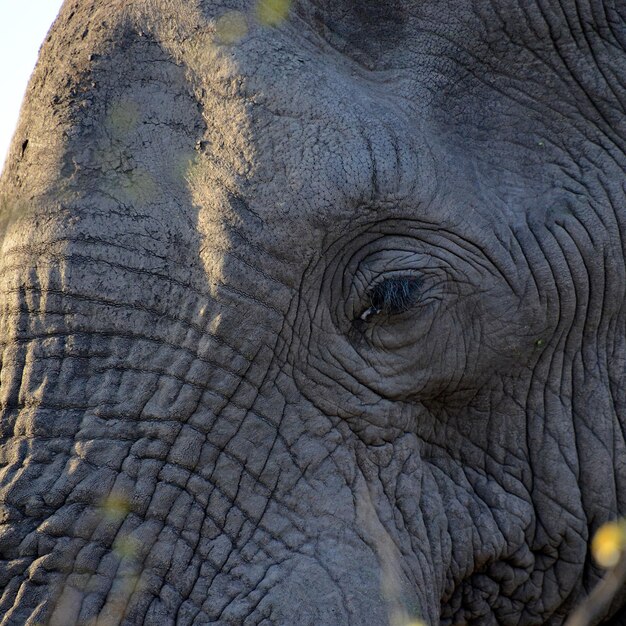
[[310, 596]]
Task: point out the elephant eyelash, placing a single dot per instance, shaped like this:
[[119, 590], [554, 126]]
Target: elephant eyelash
[[392, 296]]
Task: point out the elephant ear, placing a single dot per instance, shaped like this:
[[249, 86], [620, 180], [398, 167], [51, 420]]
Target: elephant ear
[[105, 140], [105, 99], [98, 172], [98, 250]]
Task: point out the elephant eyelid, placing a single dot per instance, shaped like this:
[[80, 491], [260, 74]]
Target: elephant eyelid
[[393, 295]]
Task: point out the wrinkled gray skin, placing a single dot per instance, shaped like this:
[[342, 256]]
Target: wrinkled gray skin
[[196, 425]]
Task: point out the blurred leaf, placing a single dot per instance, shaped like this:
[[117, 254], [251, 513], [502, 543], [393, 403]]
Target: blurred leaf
[[609, 543], [122, 118], [127, 547], [115, 507], [231, 27], [272, 12]]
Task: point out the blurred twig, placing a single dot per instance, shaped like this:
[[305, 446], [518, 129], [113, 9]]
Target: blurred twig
[[595, 606]]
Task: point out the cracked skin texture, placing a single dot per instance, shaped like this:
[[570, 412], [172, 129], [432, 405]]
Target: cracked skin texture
[[216, 404]]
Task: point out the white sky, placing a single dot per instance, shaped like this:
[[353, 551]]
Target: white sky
[[23, 27]]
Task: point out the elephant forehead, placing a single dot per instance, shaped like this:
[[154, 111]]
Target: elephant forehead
[[322, 149], [452, 95], [323, 142], [305, 142]]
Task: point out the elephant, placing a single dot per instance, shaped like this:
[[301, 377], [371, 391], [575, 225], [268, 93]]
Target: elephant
[[314, 312]]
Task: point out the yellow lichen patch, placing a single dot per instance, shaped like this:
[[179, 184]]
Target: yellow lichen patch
[[609, 543], [272, 12], [231, 27], [115, 507]]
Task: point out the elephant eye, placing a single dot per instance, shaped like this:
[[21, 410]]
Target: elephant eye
[[392, 296]]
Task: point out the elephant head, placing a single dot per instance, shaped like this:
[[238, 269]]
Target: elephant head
[[314, 313]]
